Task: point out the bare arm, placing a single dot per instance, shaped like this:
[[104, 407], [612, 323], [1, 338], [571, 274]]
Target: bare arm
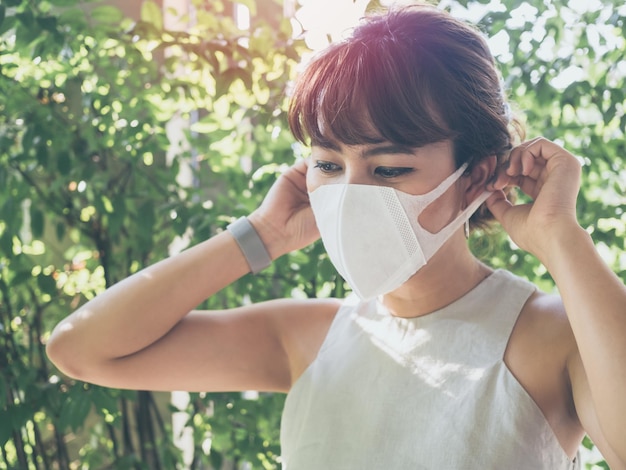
[[595, 301], [593, 296], [140, 332]]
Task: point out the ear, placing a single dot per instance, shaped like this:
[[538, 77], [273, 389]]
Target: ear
[[479, 176]]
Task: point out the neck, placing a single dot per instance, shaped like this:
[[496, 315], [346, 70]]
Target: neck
[[451, 273]]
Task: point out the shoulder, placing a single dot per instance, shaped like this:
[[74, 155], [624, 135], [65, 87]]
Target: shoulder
[[537, 355], [541, 317], [544, 319], [542, 334]]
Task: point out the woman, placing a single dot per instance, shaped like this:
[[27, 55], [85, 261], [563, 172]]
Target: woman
[[436, 360]]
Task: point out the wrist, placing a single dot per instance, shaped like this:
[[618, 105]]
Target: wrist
[[250, 244], [269, 235], [561, 244]]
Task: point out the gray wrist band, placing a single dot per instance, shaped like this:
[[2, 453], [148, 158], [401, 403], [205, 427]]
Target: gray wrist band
[[250, 244]]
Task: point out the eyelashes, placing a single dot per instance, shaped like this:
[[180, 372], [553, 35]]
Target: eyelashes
[[392, 172], [327, 167], [385, 172]]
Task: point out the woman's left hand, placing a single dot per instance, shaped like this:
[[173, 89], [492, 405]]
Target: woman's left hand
[[550, 176]]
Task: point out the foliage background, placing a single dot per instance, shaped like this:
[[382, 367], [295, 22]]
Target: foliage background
[[91, 191]]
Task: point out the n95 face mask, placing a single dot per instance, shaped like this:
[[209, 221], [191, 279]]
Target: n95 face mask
[[372, 233]]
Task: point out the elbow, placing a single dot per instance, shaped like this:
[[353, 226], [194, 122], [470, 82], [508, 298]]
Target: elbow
[[64, 355], [72, 353]]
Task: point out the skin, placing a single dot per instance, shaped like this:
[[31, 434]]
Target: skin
[[568, 352]]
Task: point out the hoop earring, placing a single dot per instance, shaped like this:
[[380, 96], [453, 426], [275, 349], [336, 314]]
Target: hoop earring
[[467, 229]]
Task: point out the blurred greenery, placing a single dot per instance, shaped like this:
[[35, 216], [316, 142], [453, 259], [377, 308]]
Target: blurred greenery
[[99, 175]]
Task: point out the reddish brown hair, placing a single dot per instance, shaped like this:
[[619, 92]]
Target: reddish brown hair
[[411, 76]]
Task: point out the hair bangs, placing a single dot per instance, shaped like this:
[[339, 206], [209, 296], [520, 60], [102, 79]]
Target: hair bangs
[[355, 93], [327, 106]]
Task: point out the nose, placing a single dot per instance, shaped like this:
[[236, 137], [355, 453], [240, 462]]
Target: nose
[[353, 177], [349, 175], [345, 170], [357, 174]]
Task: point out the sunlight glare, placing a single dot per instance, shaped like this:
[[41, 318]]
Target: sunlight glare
[[322, 28]]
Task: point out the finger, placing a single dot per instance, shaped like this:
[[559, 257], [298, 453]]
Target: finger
[[498, 205], [545, 150], [505, 212], [501, 181], [514, 165], [514, 162], [525, 160], [528, 162], [522, 159], [296, 176], [301, 166], [561, 167], [529, 186]]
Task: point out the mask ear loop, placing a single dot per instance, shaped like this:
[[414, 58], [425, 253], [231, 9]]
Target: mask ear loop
[[467, 229]]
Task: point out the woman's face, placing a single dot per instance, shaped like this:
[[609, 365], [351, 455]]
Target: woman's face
[[411, 170]]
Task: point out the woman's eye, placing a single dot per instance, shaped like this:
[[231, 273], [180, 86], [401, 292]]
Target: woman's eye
[[326, 167], [391, 172]]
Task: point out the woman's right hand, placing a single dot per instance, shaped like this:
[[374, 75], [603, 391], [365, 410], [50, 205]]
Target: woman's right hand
[[285, 221]]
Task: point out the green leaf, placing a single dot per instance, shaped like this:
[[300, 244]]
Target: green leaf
[[106, 204], [21, 277], [60, 230], [107, 14], [27, 36], [7, 24], [19, 415], [63, 3], [36, 221], [146, 219], [6, 243], [6, 426], [26, 18], [151, 13], [226, 78], [217, 459], [117, 216], [73, 17], [47, 284], [75, 409], [9, 212], [103, 400], [64, 163], [3, 386], [42, 154], [47, 23]]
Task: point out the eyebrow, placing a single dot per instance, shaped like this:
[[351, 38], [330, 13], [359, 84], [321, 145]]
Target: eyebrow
[[388, 149], [384, 149]]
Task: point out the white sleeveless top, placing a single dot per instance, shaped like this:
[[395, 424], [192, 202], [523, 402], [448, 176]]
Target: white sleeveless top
[[430, 392]]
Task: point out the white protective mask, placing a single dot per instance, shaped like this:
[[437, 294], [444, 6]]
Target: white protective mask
[[372, 233]]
